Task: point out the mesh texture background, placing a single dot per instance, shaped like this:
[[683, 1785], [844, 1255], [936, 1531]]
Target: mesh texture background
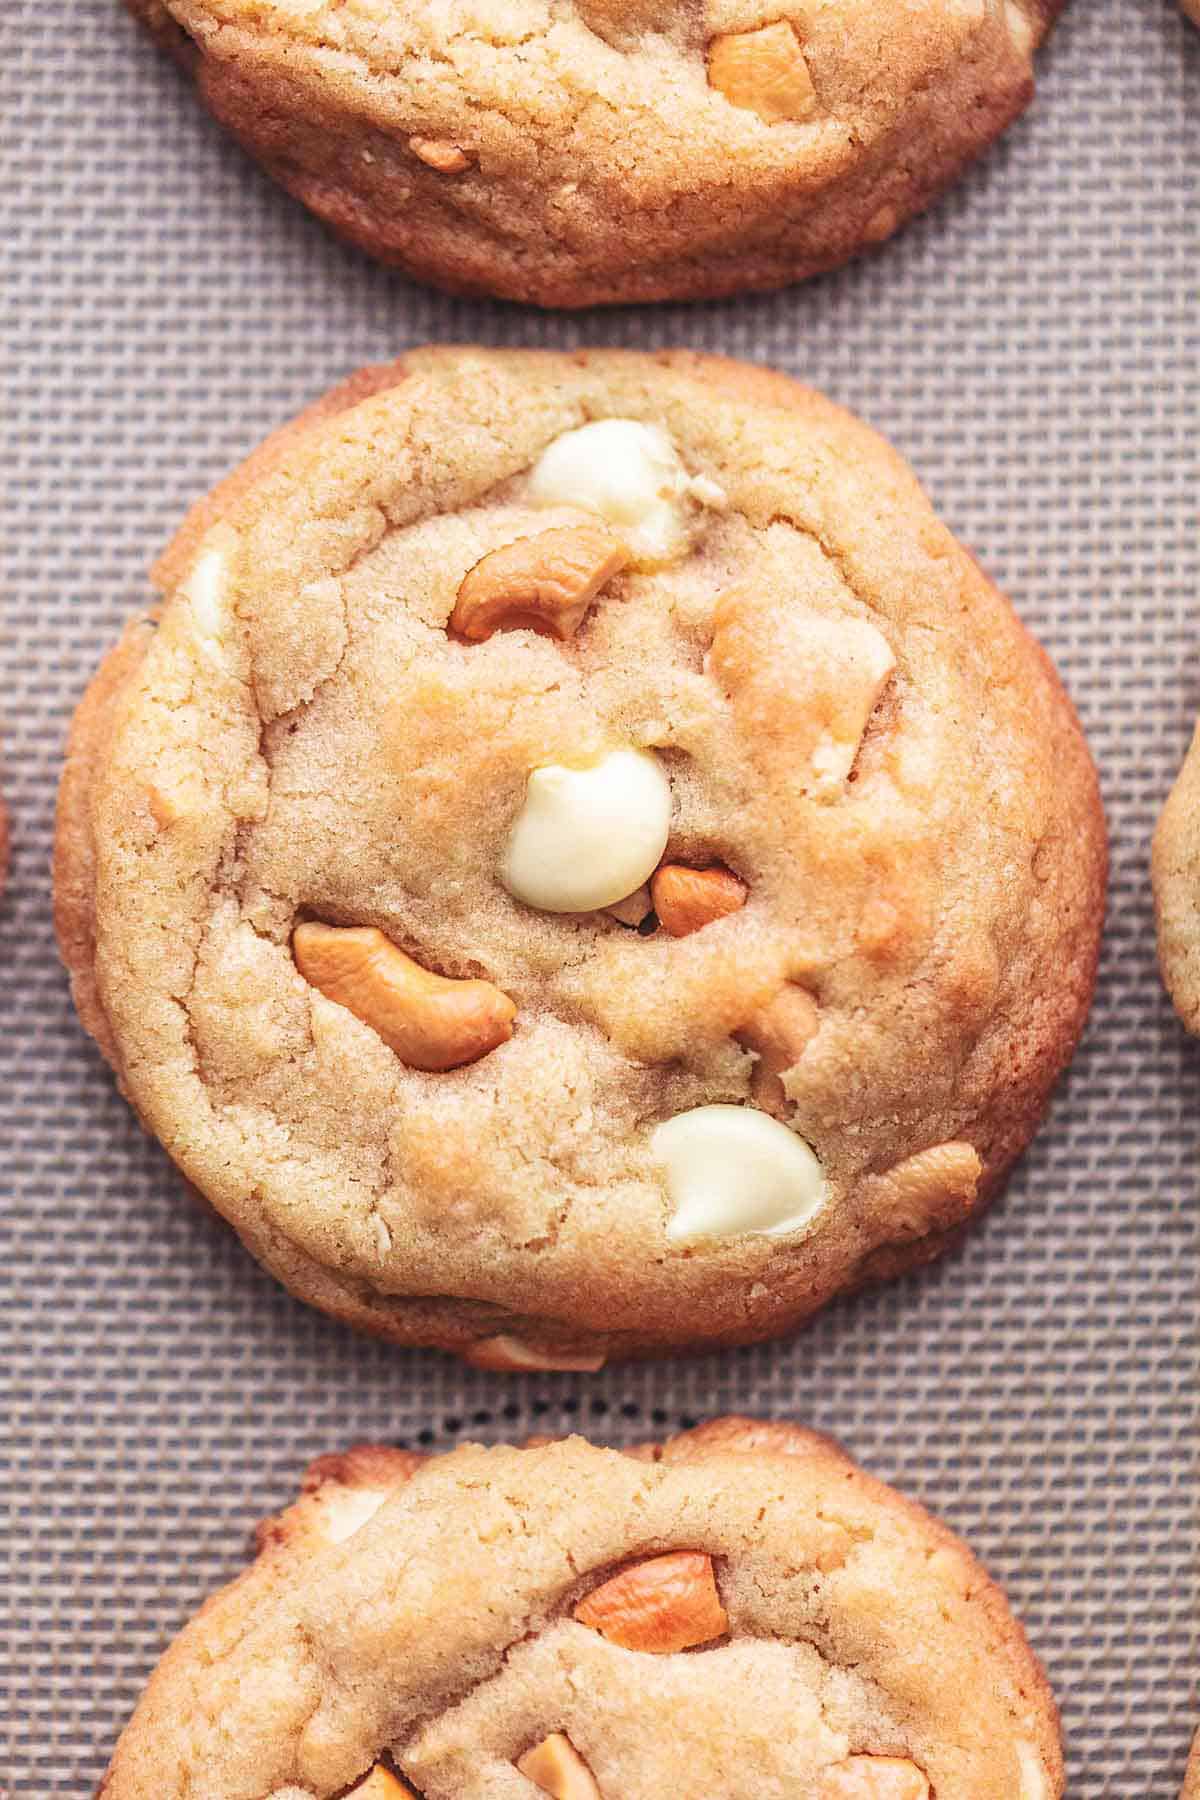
[[1033, 347]]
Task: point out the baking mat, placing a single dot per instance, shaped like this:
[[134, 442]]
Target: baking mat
[[1033, 347]]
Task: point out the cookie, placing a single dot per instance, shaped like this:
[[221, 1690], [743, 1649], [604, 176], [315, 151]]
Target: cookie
[[581, 862], [1191, 1778], [738, 1612], [1192, 9], [1175, 873], [610, 150]]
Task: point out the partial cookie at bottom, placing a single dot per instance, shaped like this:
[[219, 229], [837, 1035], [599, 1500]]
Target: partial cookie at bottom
[[739, 1611]]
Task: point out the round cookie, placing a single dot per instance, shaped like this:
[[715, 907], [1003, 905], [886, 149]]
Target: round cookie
[[1191, 1777], [1175, 873], [609, 150], [740, 1611], [1192, 10], [639, 980]]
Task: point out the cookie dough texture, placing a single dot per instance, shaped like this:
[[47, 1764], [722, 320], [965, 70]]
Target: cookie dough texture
[[576, 152], [1175, 869], [424, 1613], [297, 735]]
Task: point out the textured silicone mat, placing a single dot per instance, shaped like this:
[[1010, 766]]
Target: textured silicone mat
[[1033, 346]]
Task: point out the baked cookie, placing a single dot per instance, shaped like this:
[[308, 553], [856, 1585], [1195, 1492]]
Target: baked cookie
[[591, 151], [582, 862], [1191, 1778], [739, 1612], [1192, 9], [1175, 873]]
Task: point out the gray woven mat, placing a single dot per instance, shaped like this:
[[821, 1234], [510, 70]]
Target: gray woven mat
[[1033, 346]]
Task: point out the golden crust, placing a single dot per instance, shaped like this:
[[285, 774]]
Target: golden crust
[[585, 159], [898, 1220], [332, 1651]]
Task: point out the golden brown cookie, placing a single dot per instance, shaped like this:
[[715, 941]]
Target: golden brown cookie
[[1192, 9], [608, 150], [1175, 870], [738, 1612], [582, 862], [1191, 1776]]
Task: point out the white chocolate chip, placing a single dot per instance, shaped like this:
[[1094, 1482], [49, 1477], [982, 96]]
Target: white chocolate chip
[[205, 589], [346, 1510], [587, 837], [707, 492], [1020, 27], [629, 474], [1033, 1780], [733, 1169]]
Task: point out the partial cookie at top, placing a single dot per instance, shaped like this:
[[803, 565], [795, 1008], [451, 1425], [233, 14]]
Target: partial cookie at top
[[739, 1611], [607, 150], [581, 862]]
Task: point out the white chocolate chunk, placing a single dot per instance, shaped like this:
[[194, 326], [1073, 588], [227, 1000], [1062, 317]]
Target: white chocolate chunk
[[630, 474], [346, 1509], [1033, 1781], [205, 589], [733, 1169], [588, 837]]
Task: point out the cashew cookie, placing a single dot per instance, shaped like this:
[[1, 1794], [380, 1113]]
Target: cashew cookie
[[583, 152], [581, 862], [1191, 1777], [738, 1612], [1175, 872]]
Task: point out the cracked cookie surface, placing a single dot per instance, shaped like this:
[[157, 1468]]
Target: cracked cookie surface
[[440, 1618], [281, 861], [577, 152]]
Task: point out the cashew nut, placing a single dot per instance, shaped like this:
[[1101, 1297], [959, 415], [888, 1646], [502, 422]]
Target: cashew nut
[[763, 71], [440, 154], [664, 1604], [557, 1768], [513, 1355], [544, 583], [687, 899], [381, 1784], [431, 1022]]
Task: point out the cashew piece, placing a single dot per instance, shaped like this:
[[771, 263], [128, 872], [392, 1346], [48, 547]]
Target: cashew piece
[[440, 154], [513, 1355], [557, 1768], [763, 71], [431, 1022], [544, 583], [381, 1784], [664, 1604], [687, 899]]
